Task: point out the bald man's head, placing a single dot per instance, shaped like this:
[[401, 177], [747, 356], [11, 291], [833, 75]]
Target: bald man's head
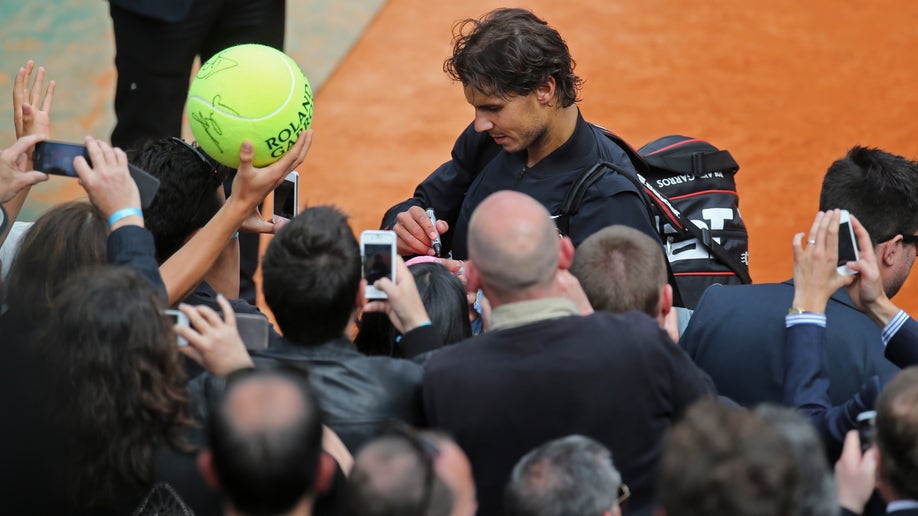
[[513, 243], [266, 438]]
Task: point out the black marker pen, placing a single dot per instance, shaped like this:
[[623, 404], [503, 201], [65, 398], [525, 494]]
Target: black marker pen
[[433, 220]]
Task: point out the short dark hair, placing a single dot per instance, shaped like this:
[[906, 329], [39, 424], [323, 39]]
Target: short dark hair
[[880, 188], [511, 51], [720, 460], [897, 432], [311, 275], [621, 269], [187, 197], [67, 239], [570, 475], [266, 467], [393, 476]]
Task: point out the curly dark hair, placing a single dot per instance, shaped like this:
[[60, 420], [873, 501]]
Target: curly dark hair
[[512, 51], [116, 384]]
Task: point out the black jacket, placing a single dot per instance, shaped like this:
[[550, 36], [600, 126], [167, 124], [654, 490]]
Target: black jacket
[[359, 395], [456, 188]]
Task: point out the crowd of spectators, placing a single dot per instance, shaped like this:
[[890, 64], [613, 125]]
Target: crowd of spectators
[[530, 378]]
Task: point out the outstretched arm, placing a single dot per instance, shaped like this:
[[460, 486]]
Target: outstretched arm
[[185, 269]]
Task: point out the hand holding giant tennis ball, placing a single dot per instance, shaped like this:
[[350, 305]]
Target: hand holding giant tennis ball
[[249, 92]]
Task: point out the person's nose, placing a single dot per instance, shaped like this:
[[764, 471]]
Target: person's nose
[[482, 123]]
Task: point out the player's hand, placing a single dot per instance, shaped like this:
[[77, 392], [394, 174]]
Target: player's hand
[[108, 181], [31, 109], [415, 232], [404, 305], [251, 185], [816, 276], [14, 171], [214, 342]]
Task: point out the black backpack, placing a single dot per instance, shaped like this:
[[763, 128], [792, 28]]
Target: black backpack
[[690, 192]]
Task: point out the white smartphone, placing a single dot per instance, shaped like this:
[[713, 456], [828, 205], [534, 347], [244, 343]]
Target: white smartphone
[[847, 244], [378, 251], [253, 328], [178, 317], [287, 197]]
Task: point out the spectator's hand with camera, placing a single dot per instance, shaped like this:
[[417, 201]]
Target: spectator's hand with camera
[[867, 290], [816, 275], [213, 341], [404, 305], [109, 184], [855, 474]]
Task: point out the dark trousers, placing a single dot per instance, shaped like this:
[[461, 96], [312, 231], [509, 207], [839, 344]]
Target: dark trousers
[[154, 58]]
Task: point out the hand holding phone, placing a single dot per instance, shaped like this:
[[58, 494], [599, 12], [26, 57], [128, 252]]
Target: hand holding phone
[[378, 252], [177, 317], [58, 158]]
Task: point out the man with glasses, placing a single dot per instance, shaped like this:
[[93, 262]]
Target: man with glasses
[[570, 475], [736, 333]]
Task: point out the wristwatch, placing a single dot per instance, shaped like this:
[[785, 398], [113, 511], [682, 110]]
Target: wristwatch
[[794, 310]]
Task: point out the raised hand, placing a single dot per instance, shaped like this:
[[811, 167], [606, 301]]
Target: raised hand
[[32, 107]]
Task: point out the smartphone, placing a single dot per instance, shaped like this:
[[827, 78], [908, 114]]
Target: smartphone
[[847, 244], [178, 317], [287, 197], [57, 158], [253, 328], [378, 251], [866, 426]]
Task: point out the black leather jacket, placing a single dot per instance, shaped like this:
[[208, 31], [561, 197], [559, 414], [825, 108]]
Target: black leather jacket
[[359, 394]]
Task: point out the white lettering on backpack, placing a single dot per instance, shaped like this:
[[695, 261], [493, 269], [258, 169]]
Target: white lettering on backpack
[[692, 249], [685, 178]]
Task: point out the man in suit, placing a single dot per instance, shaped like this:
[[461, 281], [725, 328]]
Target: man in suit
[[544, 371], [736, 333]]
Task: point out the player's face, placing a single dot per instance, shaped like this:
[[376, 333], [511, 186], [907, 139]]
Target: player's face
[[515, 122]]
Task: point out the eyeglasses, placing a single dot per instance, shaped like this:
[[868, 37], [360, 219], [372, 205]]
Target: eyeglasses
[[197, 152], [427, 452], [623, 494]]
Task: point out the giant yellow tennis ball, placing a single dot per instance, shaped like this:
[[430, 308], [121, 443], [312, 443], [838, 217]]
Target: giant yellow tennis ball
[[249, 92]]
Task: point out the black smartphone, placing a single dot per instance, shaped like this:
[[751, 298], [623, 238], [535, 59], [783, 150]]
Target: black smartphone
[[57, 158]]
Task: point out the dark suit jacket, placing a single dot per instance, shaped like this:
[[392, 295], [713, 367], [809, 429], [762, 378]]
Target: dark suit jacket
[[616, 378], [737, 333]]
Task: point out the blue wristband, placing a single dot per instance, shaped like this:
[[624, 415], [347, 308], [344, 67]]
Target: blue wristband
[[120, 214]]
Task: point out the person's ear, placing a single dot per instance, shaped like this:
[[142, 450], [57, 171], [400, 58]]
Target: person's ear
[[666, 299], [472, 277], [887, 252], [208, 471], [545, 92], [565, 254], [325, 473]]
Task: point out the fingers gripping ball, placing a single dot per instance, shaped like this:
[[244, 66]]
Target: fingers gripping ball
[[249, 92]]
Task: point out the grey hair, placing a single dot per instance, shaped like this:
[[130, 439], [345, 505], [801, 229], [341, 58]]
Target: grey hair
[[566, 476], [816, 492]]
